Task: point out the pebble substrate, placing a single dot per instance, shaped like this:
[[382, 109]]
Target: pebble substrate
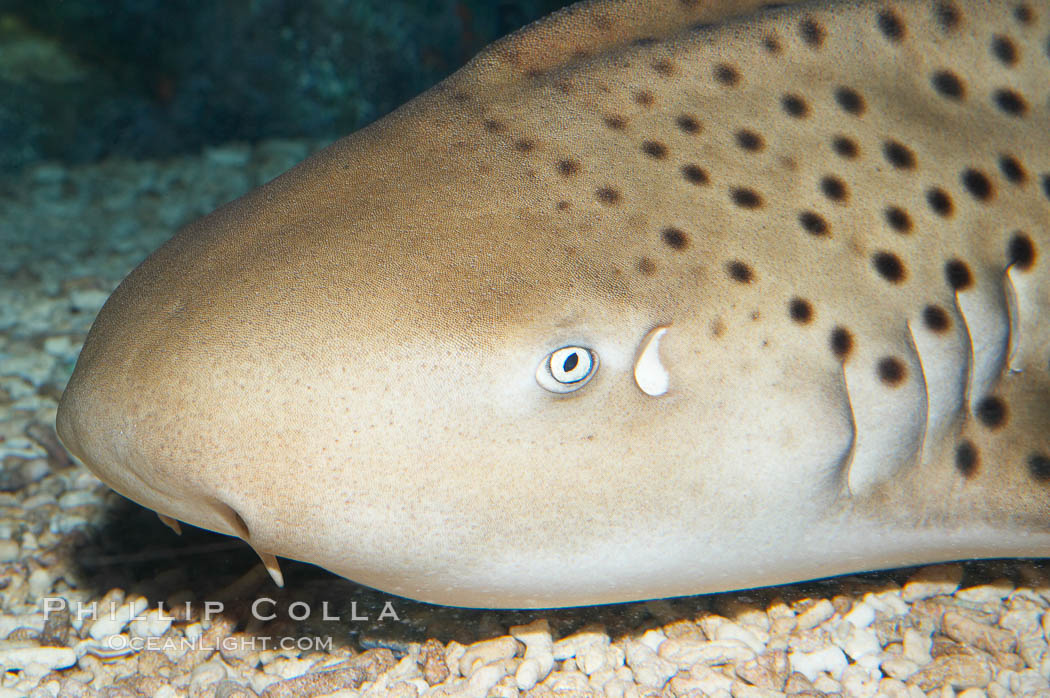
[[68, 235]]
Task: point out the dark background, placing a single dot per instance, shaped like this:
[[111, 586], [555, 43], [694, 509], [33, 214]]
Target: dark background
[[81, 80]]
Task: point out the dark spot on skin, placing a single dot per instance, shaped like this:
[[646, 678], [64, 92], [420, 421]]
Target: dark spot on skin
[[646, 266], [1046, 185], [890, 25], [616, 123], [841, 342], [845, 147], [1004, 50], [771, 44], [567, 168], [749, 140], [940, 202], [958, 275], [608, 195], [739, 272], [645, 98], [891, 370], [977, 183], [948, 84], [849, 100], [493, 125], [812, 223], [1039, 466], [966, 459], [664, 67], [936, 319], [745, 198], [1023, 14], [898, 155], [694, 174], [947, 15], [654, 149], [1021, 251], [1010, 102], [898, 219], [991, 411], [562, 205], [755, 317], [675, 238], [460, 96], [811, 32], [889, 266], [718, 328], [525, 145], [1012, 169], [794, 106], [726, 75], [688, 123], [834, 188], [801, 311]]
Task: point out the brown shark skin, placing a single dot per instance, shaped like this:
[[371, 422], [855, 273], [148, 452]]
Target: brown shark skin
[[841, 211]]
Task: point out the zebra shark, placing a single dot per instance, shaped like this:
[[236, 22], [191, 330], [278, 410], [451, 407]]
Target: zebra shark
[[650, 299]]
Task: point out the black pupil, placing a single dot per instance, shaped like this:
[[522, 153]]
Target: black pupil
[[570, 362]]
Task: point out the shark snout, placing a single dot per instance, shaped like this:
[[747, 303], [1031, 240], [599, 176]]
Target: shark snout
[[119, 441], [67, 430], [95, 429], [84, 425]]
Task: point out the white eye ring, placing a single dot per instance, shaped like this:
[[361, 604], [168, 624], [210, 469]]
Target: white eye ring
[[567, 369]]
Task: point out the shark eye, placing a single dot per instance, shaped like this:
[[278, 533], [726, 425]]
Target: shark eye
[[567, 369]]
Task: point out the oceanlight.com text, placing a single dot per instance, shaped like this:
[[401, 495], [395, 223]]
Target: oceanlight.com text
[[238, 643]]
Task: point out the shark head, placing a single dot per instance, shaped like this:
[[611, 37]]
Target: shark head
[[643, 302]]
